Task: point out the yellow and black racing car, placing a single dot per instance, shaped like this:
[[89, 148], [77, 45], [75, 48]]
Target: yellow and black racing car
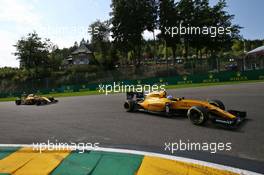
[[32, 99], [198, 112]]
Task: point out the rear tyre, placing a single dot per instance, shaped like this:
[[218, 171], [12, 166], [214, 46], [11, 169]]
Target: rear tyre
[[129, 105], [18, 102], [197, 115], [217, 103]]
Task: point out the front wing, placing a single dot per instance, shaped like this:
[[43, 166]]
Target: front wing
[[240, 117]]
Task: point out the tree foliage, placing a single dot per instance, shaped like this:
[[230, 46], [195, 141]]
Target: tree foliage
[[32, 52], [100, 40], [130, 18], [168, 18]]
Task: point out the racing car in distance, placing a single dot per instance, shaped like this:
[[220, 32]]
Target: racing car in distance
[[32, 99], [198, 112]]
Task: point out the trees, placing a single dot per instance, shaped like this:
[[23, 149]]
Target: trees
[[101, 44], [56, 58], [169, 17], [100, 40], [130, 18], [201, 18], [38, 56], [195, 16], [32, 52], [221, 18], [224, 42]]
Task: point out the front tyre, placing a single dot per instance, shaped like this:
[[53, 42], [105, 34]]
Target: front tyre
[[217, 103], [18, 102], [197, 115], [129, 105]]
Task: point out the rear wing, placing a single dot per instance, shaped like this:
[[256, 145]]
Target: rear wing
[[135, 95]]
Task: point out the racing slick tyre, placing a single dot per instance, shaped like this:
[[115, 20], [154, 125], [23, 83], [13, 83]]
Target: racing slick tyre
[[18, 102], [198, 115], [129, 105], [217, 103]]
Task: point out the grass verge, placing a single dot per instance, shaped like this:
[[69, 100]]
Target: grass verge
[[85, 93]]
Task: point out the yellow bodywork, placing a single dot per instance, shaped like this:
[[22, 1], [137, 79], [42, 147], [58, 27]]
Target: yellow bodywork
[[35, 97], [32, 99], [156, 102]]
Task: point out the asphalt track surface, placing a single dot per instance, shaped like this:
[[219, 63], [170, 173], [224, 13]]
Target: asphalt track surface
[[101, 118]]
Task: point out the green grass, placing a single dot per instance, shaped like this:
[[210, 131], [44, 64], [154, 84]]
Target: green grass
[[85, 93], [7, 99]]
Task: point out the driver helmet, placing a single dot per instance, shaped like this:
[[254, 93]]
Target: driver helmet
[[169, 97]]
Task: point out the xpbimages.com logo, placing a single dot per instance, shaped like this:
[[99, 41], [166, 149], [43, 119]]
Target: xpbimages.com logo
[[213, 147], [123, 88], [191, 30]]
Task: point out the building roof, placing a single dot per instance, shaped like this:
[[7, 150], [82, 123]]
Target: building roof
[[81, 49], [256, 52], [69, 58]]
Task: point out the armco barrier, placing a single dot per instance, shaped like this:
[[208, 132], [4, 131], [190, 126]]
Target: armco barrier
[[227, 76]]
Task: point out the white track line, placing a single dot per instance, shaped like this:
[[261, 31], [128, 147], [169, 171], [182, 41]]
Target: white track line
[[176, 158]]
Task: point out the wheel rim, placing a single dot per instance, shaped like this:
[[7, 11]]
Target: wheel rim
[[196, 116], [126, 106]]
